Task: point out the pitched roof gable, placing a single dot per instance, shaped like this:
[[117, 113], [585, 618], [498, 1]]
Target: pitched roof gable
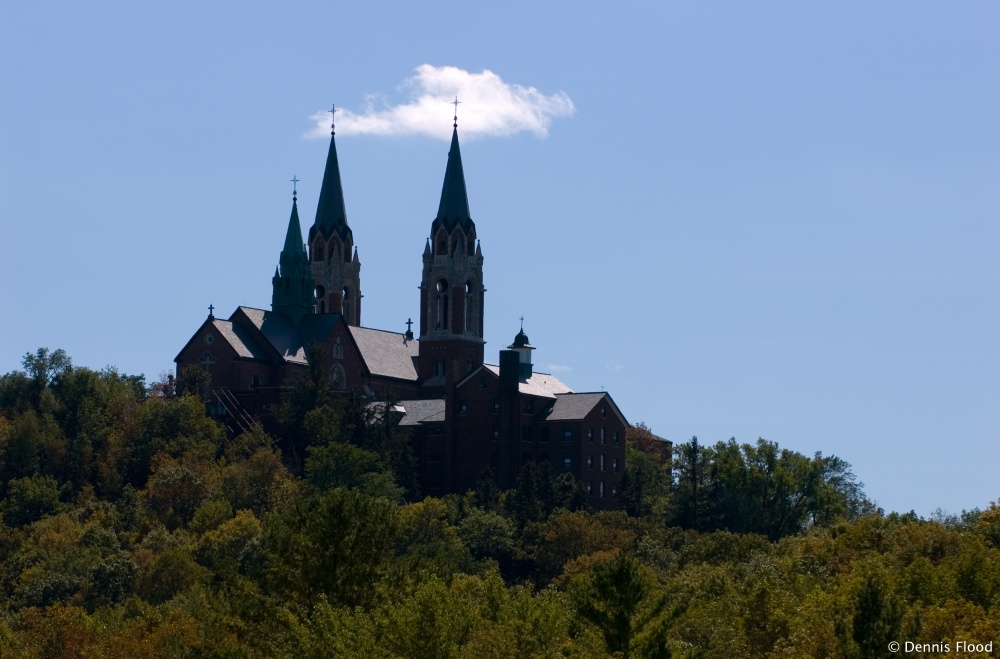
[[238, 338], [576, 406], [539, 384], [415, 412], [387, 354], [278, 331]]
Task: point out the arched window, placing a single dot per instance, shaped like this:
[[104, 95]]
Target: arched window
[[318, 251], [206, 360], [320, 294], [255, 381], [339, 377], [442, 304], [338, 349], [468, 307]]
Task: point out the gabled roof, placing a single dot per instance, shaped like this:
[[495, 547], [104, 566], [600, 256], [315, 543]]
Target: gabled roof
[[387, 354], [279, 332], [416, 412], [238, 338], [574, 407], [539, 384]]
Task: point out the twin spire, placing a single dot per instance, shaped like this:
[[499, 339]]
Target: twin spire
[[331, 214], [454, 207], [293, 280]]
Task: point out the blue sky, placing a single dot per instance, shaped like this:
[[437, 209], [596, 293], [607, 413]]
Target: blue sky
[[767, 219]]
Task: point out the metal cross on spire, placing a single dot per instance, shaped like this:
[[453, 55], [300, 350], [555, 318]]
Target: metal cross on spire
[[295, 185], [522, 323], [211, 309], [333, 112], [456, 103]]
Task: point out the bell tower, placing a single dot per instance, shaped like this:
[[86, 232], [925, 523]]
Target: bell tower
[[332, 254], [451, 289]]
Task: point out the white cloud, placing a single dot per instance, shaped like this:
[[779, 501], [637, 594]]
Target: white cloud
[[489, 107], [559, 368], [613, 366]]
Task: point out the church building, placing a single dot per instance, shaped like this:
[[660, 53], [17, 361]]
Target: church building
[[464, 415]]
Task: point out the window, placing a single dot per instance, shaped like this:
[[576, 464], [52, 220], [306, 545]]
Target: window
[[602, 489], [339, 377], [496, 433], [590, 461], [317, 251], [463, 408], [604, 411], [255, 382], [209, 339], [614, 464], [602, 462], [614, 490], [567, 434], [338, 349], [482, 383], [468, 307], [206, 360], [590, 434], [567, 462], [590, 488], [614, 438], [603, 438], [439, 367], [442, 305], [528, 406], [496, 406]]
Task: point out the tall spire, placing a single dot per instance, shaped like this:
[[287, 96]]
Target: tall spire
[[331, 214], [454, 206]]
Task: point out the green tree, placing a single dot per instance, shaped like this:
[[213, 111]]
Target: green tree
[[620, 598], [328, 545], [645, 485], [30, 499]]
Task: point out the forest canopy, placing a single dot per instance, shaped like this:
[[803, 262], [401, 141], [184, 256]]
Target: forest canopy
[[133, 525]]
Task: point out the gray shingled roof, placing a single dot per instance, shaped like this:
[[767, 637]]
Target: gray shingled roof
[[239, 339], [539, 384], [571, 407], [279, 332], [387, 354], [422, 411]]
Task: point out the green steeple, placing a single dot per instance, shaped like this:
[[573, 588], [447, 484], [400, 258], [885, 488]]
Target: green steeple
[[294, 250], [331, 214], [292, 285], [454, 206]]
